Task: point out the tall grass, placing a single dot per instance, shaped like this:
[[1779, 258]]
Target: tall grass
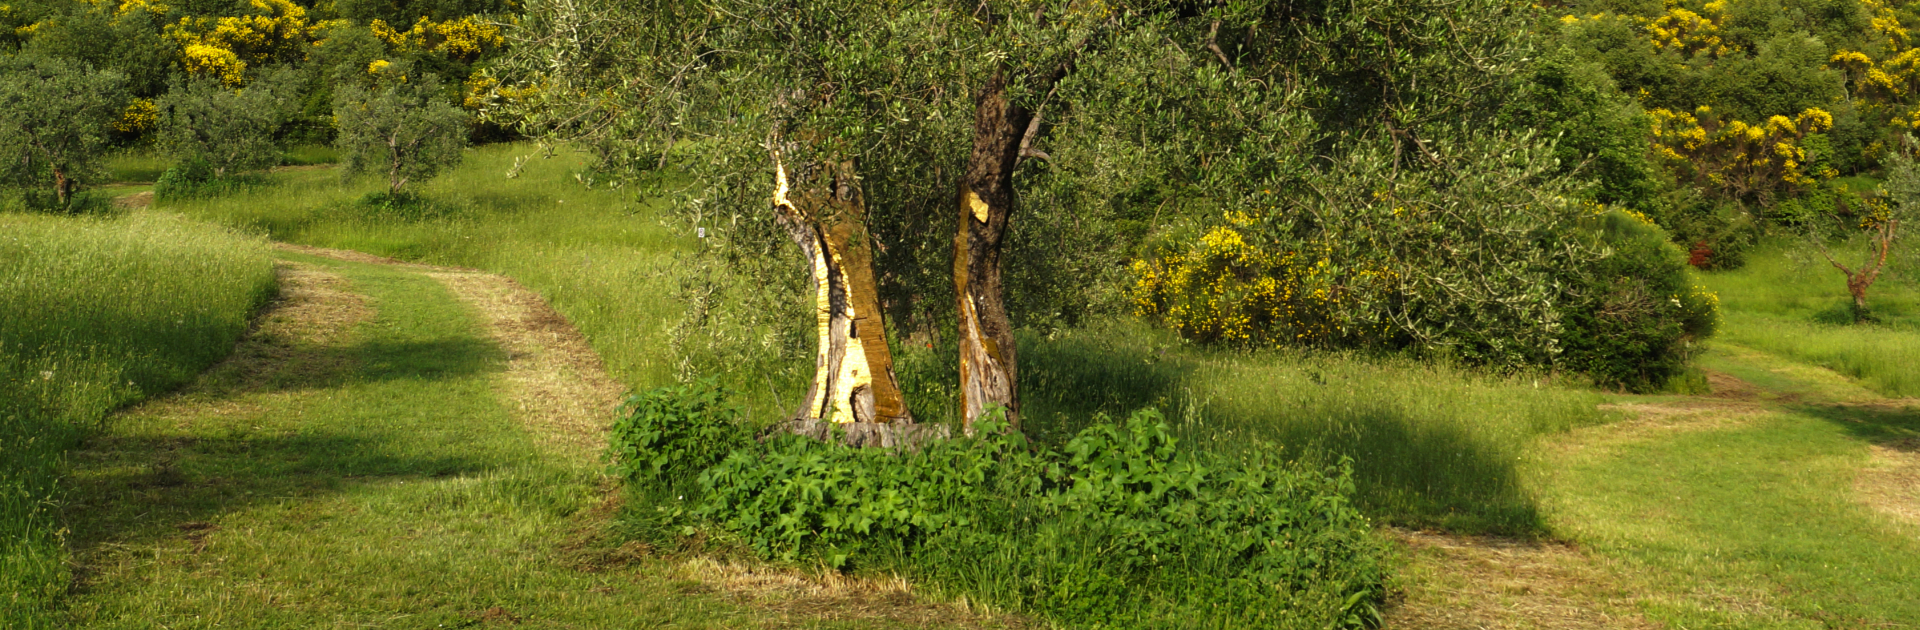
[[1789, 301], [96, 313], [142, 164]]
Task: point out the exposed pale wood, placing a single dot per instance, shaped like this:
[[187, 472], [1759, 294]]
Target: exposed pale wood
[[824, 212]]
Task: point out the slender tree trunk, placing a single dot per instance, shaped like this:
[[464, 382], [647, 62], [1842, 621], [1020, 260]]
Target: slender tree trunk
[[988, 365], [1859, 291], [854, 387], [62, 187]]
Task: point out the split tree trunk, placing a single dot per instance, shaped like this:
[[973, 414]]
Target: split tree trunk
[[988, 368], [854, 389]]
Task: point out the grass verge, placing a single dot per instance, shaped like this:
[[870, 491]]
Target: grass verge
[[94, 314]]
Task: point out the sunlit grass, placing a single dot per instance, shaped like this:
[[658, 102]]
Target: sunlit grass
[[1743, 521], [600, 259], [1431, 445], [96, 313], [1789, 301]]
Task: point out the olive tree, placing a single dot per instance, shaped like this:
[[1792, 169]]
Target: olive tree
[[404, 130], [54, 116], [917, 148], [230, 130], [1878, 221]]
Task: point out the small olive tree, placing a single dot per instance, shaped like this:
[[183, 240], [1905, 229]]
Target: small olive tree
[[404, 129], [1879, 219], [53, 123], [231, 131]]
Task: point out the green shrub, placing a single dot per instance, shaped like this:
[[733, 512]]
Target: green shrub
[[1487, 262], [1119, 528], [194, 177], [229, 131], [404, 130], [1638, 318], [675, 433]]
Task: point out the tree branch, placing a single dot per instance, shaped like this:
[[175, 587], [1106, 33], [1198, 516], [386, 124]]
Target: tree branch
[[1214, 45]]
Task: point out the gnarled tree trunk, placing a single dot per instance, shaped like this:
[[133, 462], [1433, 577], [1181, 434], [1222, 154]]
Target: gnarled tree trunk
[[854, 389], [988, 367]]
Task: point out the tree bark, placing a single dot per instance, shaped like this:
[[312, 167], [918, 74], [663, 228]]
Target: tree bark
[[988, 365], [854, 382], [62, 187]]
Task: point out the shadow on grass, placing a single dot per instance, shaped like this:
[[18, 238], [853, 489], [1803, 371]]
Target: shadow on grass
[[266, 365], [1408, 470], [1896, 427], [1410, 467], [168, 469], [139, 490]]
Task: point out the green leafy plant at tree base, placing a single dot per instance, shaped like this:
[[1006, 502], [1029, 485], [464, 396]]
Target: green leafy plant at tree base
[[1118, 528]]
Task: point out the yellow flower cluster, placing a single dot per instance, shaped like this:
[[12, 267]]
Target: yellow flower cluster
[[1679, 29], [138, 117], [1888, 24], [141, 6], [223, 46], [465, 38], [1227, 290], [1740, 158], [1875, 212], [483, 91], [214, 61], [1688, 32]]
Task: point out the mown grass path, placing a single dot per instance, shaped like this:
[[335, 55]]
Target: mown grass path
[[1788, 498], [394, 446]]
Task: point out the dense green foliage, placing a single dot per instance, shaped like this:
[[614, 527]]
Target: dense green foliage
[[95, 314], [399, 130], [675, 432], [304, 49], [1755, 110], [53, 126], [229, 131], [1488, 266], [1165, 128], [1119, 527]]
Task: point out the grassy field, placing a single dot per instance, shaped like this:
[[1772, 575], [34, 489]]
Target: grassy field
[[1431, 446], [358, 464], [94, 314], [1690, 514], [1758, 513], [1790, 302], [606, 263]]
